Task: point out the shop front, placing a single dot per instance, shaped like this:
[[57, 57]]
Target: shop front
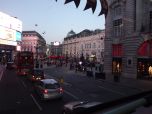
[[116, 65], [6, 53], [117, 59], [144, 60]]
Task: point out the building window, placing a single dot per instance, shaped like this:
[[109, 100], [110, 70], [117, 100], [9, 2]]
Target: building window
[[94, 45], [117, 24], [117, 10], [81, 46], [150, 25]]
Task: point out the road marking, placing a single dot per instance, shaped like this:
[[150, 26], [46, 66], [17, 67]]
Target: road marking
[[112, 91], [67, 84], [1, 74], [75, 97], [23, 84], [37, 104]]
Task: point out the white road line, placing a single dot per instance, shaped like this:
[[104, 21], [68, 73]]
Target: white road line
[[112, 91], [68, 84], [75, 97], [1, 74], [23, 84], [37, 104]]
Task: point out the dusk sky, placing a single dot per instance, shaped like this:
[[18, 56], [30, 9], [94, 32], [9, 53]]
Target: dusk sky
[[56, 19]]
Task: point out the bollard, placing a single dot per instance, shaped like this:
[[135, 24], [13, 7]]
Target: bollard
[[61, 80]]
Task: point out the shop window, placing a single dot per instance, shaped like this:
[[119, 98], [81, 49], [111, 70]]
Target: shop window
[[116, 65], [144, 67]]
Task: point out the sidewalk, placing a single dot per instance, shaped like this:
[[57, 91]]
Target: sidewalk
[[143, 85]]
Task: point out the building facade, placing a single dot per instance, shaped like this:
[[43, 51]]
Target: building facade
[[34, 42], [128, 41], [56, 49], [10, 37], [88, 43]]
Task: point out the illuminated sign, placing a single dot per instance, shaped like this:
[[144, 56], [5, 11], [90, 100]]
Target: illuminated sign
[[6, 42], [56, 43], [18, 48], [18, 36], [7, 34], [10, 22], [15, 24], [4, 20]]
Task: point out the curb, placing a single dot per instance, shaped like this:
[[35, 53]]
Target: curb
[[118, 83]]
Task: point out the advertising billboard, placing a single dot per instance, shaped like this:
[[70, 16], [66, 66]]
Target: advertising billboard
[[10, 22], [56, 43], [15, 24], [4, 20], [18, 36], [7, 34], [7, 42]]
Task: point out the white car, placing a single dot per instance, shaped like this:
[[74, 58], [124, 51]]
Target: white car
[[49, 89]]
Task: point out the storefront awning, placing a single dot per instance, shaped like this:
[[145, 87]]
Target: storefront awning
[[143, 49], [117, 50]]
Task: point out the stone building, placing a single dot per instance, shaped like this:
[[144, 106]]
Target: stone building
[[10, 37], [55, 49], [33, 41], [128, 41], [88, 43]]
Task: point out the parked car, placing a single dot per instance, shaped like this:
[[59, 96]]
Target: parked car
[[81, 107], [36, 74], [10, 65], [49, 89]]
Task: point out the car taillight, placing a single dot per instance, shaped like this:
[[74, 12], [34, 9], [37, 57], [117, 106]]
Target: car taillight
[[45, 91], [61, 90]]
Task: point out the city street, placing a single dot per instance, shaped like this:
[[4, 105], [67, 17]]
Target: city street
[[18, 96]]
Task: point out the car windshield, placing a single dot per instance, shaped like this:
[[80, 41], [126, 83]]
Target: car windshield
[[95, 50], [52, 86], [38, 72]]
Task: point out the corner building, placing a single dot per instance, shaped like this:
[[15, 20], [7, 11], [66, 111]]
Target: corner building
[[88, 43], [128, 42], [34, 42]]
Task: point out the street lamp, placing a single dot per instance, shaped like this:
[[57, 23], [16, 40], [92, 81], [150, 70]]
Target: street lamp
[[37, 63]]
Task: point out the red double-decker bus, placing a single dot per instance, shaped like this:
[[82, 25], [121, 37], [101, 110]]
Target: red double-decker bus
[[24, 62]]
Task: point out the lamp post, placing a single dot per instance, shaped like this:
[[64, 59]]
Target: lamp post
[[37, 63]]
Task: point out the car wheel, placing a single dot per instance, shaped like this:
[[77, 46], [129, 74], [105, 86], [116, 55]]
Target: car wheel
[[63, 112], [60, 98], [42, 98]]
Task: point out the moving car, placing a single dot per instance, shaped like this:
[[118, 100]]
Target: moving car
[[10, 65], [48, 89], [36, 74]]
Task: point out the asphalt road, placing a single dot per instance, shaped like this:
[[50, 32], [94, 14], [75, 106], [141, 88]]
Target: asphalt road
[[82, 87], [17, 95]]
